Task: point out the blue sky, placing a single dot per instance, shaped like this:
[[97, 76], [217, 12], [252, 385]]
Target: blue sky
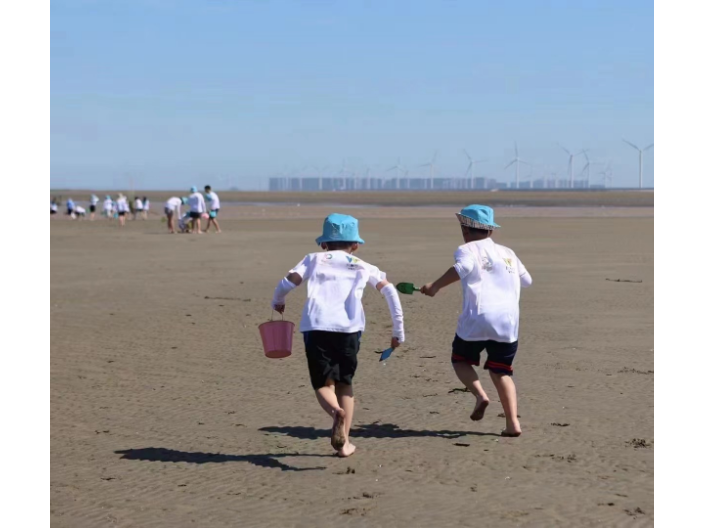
[[171, 93]]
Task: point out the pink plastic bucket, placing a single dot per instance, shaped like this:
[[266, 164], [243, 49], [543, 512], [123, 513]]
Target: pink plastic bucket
[[277, 338]]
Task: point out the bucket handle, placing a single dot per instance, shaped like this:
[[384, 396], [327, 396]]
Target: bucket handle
[[272, 316]]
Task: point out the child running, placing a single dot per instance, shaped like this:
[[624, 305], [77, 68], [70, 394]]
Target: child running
[[333, 318], [492, 277]]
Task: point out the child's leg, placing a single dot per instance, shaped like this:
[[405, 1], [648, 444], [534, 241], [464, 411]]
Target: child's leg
[[507, 392], [467, 375], [345, 397], [327, 398], [328, 401], [464, 355], [500, 365], [217, 226]]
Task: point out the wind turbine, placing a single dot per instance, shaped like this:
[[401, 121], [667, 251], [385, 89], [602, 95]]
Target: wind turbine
[[470, 168], [431, 164], [570, 164], [606, 173], [640, 160], [398, 167], [588, 164], [517, 160]]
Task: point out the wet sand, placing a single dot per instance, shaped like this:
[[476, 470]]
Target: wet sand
[[166, 413]]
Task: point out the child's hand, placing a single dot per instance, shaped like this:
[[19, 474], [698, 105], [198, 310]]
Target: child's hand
[[395, 343], [429, 289], [280, 308]]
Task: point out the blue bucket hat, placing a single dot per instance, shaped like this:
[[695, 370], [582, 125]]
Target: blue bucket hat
[[340, 228], [478, 217], [194, 188]]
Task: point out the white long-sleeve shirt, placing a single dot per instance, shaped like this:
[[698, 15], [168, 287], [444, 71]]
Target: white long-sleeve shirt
[[336, 282], [196, 202], [174, 204], [492, 276]]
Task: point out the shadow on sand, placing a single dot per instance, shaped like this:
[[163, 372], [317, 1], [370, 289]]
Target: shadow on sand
[[373, 430], [162, 454]]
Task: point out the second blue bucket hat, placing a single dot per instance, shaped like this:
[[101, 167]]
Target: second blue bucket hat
[[340, 228], [478, 217]]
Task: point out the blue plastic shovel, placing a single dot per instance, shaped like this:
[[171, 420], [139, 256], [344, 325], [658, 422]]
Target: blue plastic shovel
[[386, 354]]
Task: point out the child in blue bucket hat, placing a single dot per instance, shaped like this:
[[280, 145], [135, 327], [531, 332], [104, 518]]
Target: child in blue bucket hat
[[333, 318], [492, 277]]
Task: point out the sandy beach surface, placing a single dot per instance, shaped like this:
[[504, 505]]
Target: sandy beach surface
[[165, 412]]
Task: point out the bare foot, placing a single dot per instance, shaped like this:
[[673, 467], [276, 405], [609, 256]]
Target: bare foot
[[338, 440], [347, 450], [511, 433], [479, 409]]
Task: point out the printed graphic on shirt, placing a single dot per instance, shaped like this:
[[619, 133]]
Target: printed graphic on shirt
[[509, 265]]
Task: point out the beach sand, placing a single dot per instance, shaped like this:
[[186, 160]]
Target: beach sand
[[165, 412]]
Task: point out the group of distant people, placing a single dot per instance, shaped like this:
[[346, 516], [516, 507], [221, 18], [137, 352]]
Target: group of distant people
[[120, 208], [200, 207]]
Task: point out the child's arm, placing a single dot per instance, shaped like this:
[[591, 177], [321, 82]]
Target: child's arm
[[448, 278], [294, 278], [526, 279], [287, 284], [392, 300], [465, 263]]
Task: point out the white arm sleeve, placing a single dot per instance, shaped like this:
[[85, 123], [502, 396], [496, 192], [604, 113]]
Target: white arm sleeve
[[284, 287], [391, 296], [526, 279]]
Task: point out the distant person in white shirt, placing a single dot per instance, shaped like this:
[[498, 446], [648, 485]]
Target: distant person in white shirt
[[54, 207], [123, 208], [108, 207], [138, 208], [196, 203], [172, 210], [145, 204], [333, 318], [492, 277], [79, 212], [214, 201], [93, 203]]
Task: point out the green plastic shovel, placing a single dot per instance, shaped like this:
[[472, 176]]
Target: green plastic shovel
[[407, 287]]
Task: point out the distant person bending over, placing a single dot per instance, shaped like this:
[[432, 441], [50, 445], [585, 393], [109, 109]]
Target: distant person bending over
[[196, 203], [54, 207], [172, 210], [123, 209], [138, 208], [80, 212], [93, 203], [492, 277], [185, 223], [214, 202], [145, 204]]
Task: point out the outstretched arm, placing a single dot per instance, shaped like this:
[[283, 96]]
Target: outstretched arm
[[448, 278], [392, 300]]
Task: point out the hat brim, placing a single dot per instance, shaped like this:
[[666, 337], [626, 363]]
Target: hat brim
[[322, 239], [471, 222]]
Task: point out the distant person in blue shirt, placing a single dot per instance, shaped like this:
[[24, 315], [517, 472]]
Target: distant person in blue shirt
[[70, 206]]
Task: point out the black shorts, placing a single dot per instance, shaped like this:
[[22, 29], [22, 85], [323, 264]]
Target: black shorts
[[194, 215], [92, 208], [121, 213], [331, 355], [499, 355]]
